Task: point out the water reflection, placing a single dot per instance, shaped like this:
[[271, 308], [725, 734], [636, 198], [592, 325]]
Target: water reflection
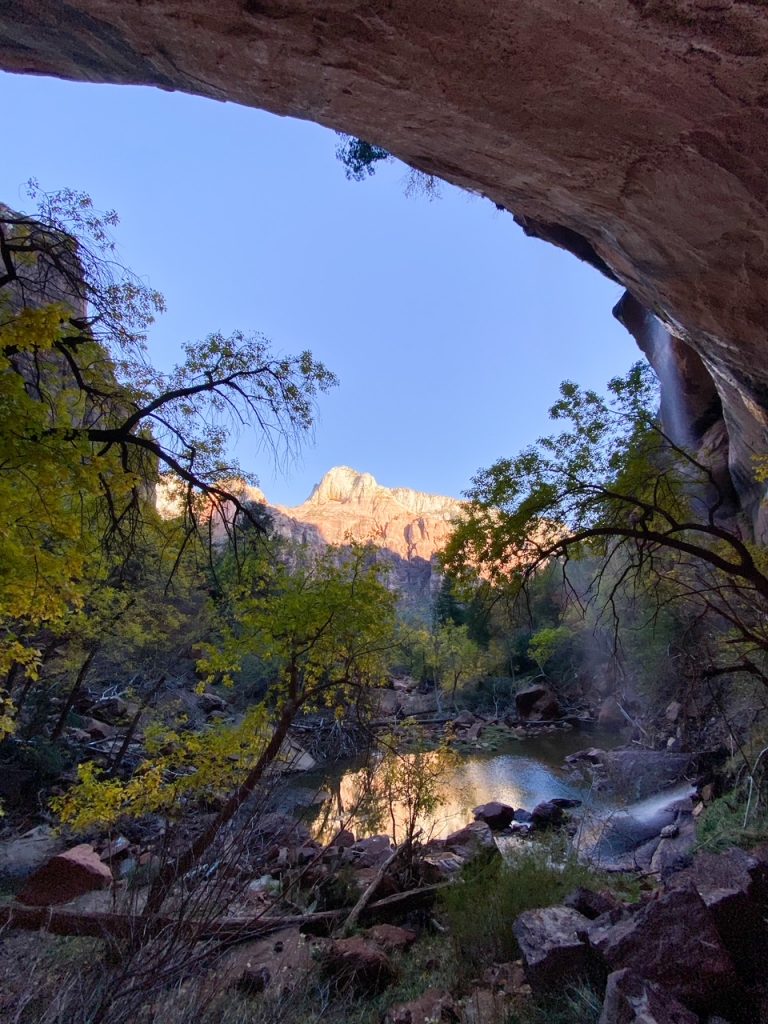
[[523, 774]]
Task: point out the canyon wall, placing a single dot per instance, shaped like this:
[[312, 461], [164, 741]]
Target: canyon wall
[[631, 132], [409, 527]]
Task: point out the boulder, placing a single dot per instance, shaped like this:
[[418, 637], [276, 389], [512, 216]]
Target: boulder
[[537, 704], [547, 814], [495, 814], [356, 964], [673, 941], [676, 843], [590, 903], [552, 945], [66, 876], [440, 865], [463, 720], [522, 816], [610, 715], [21, 856], [113, 710], [471, 840], [209, 702], [344, 839], [433, 1007], [98, 730], [391, 937], [733, 886], [632, 999], [372, 851]]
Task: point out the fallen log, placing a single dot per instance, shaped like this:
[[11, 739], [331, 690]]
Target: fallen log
[[108, 926]]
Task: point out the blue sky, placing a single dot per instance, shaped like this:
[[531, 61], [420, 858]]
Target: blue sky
[[449, 330]]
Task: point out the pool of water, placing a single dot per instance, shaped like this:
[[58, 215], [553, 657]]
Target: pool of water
[[521, 773]]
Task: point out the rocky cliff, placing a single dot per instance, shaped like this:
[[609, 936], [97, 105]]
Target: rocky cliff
[[631, 132], [409, 527]]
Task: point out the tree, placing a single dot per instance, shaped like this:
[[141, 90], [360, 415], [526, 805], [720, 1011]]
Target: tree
[[324, 626], [614, 486], [87, 424]]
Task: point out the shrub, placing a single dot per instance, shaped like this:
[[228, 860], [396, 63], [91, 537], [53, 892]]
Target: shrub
[[481, 910]]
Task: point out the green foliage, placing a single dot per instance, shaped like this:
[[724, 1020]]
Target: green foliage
[[325, 625], [577, 1003], [481, 910], [407, 783], [547, 643], [87, 426], [359, 157], [726, 821]]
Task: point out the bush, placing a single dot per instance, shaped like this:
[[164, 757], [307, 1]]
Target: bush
[[481, 911]]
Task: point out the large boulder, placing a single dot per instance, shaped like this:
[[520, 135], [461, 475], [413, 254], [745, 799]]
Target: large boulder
[[552, 945], [673, 941], [537, 704], [65, 877], [632, 999], [734, 887], [495, 814], [24, 854], [372, 851], [471, 841], [636, 773]]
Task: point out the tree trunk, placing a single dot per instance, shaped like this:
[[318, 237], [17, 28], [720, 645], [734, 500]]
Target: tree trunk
[[58, 729], [118, 759], [178, 867]]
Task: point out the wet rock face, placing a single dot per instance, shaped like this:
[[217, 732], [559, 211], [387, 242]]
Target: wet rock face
[[630, 132]]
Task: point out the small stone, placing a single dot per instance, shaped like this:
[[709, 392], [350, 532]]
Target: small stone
[[391, 937], [254, 980]]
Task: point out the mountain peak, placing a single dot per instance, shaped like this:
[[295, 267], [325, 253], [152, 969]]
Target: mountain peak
[[345, 484]]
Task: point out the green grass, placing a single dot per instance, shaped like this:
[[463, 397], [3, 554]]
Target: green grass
[[722, 823], [479, 911], [576, 1004]]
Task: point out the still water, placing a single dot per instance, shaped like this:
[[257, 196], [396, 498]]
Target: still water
[[521, 773]]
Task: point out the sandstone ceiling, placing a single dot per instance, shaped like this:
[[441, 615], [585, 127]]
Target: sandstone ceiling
[[632, 132]]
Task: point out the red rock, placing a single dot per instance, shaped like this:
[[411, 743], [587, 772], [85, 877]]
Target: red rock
[[391, 937], [66, 876], [673, 941], [355, 963], [629, 133]]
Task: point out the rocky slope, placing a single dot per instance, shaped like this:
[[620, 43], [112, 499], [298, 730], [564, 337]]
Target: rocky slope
[[630, 132]]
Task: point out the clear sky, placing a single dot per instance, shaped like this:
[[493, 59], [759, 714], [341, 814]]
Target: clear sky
[[450, 331]]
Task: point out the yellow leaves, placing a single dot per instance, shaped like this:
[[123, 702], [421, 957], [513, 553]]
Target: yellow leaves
[[33, 329], [180, 765]]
